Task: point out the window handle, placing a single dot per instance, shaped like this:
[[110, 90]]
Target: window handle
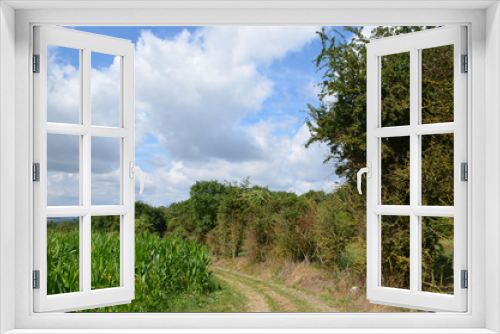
[[134, 169], [368, 171]]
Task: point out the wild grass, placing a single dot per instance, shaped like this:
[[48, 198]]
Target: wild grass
[[341, 289], [301, 304], [274, 306]]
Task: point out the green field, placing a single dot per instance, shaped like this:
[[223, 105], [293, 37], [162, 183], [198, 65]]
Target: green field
[[171, 275]]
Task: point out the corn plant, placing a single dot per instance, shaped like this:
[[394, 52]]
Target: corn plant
[[63, 267], [169, 273]]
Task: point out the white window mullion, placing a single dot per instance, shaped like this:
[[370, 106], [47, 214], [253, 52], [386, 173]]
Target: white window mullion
[[415, 243], [422, 211], [80, 130], [86, 153], [460, 155], [86, 236], [433, 129], [392, 210], [66, 211], [109, 132], [393, 131], [372, 189], [67, 129], [124, 190], [85, 257], [109, 210], [434, 211], [128, 184], [421, 129], [97, 210], [378, 251], [40, 156]]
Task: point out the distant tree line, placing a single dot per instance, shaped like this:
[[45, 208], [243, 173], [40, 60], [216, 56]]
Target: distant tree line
[[237, 219]]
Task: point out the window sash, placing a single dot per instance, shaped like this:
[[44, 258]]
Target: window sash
[[414, 298], [86, 298]]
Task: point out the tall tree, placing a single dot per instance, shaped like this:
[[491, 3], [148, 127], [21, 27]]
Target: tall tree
[[340, 122], [205, 197], [340, 119]]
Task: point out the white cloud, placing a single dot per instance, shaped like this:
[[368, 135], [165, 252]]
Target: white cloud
[[105, 94], [63, 88], [312, 89], [63, 188], [106, 188], [158, 161], [289, 166], [192, 93], [206, 83], [259, 45], [367, 31]]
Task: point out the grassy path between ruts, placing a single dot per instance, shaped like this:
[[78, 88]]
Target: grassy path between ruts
[[264, 296]]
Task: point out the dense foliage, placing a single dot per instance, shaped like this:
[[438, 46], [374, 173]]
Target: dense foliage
[[340, 122], [260, 224]]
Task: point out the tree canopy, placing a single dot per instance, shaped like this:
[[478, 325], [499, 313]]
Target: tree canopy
[[340, 122]]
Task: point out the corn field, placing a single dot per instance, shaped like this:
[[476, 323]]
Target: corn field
[[168, 272]]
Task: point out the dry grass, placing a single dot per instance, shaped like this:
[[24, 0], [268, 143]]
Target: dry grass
[[339, 289]]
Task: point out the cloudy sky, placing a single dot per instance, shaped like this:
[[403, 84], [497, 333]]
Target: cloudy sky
[[212, 103]]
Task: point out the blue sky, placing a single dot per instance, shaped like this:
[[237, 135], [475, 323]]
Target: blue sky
[[212, 103]]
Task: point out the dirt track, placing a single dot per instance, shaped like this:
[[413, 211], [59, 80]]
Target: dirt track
[[264, 296]]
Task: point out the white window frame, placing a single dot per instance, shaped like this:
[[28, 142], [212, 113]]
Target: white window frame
[[413, 44], [86, 44], [483, 20]]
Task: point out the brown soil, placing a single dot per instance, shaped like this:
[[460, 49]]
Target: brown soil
[[273, 291], [324, 291], [256, 302]]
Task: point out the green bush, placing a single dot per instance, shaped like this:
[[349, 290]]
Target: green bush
[[354, 258]]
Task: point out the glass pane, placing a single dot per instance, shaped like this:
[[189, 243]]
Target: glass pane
[[395, 85], [437, 170], [395, 169], [105, 252], [437, 84], [396, 251], [63, 170], [63, 85], [105, 89], [105, 171], [63, 255], [437, 254]]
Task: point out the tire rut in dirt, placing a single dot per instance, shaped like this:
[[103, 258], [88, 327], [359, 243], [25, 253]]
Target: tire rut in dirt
[[256, 301], [311, 302], [278, 300]]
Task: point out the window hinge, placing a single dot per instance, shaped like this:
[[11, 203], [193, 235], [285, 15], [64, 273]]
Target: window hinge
[[465, 63], [36, 172], [465, 279], [36, 279], [36, 63], [464, 171]]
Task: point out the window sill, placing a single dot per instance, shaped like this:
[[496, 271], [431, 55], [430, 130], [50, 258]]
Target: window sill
[[250, 331]]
